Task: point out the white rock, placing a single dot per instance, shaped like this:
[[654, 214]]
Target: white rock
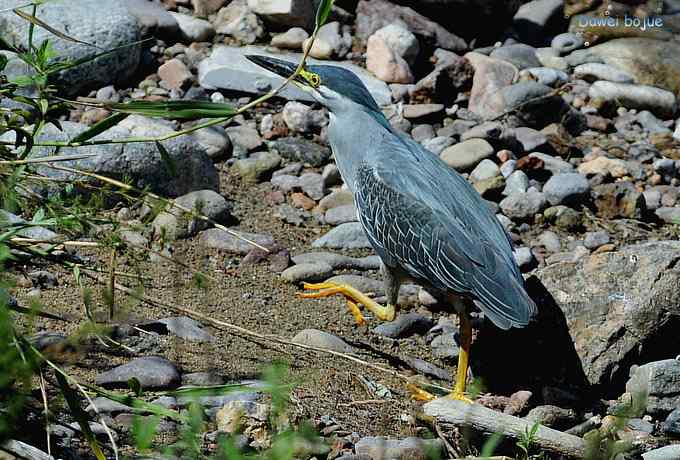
[[285, 12], [239, 22], [400, 40], [329, 42], [194, 29], [659, 101], [292, 39], [385, 63]]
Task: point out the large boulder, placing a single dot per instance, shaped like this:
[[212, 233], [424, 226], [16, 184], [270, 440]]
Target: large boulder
[[103, 24], [141, 163]]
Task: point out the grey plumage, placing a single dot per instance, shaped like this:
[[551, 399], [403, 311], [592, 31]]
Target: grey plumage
[[423, 219]]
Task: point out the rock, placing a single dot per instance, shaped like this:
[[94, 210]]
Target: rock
[[298, 13], [301, 118], [671, 426], [427, 369], [139, 162], [658, 381], [546, 76], [652, 199], [663, 453], [321, 339], [194, 29], [422, 133], [400, 40], [523, 206], [527, 139], [524, 257], [228, 69], [238, 21], [292, 39], [614, 303], [204, 8], [302, 201], [604, 94], [670, 215], [491, 75], [258, 166], [313, 185], [153, 19], [152, 372], [593, 71], [567, 42], [173, 223], [567, 189], [607, 167], [310, 272], [533, 103], [341, 215], [216, 238], [38, 233], [438, 144], [520, 55], [518, 403], [552, 416], [329, 42], [106, 23], [244, 138], [215, 142], [486, 169], [444, 346], [181, 326], [175, 74], [466, 155], [452, 74], [398, 449], [339, 261], [106, 406], [620, 199], [375, 14], [346, 236], [385, 63], [537, 20], [594, 240], [517, 182], [202, 379], [405, 325], [336, 198]]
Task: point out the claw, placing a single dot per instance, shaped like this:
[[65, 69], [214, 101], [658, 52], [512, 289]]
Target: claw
[[418, 394], [352, 294]]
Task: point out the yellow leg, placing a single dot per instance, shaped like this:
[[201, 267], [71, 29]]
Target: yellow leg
[[461, 374], [352, 295]]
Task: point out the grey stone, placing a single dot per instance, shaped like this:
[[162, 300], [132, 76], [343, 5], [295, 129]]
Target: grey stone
[[299, 149], [346, 236], [237, 20], [244, 138], [663, 453], [659, 381], [422, 133], [182, 326], [491, 76], [311, 272], [528, 139], [547, 76], [173, 223], [620, 199], [105, 23], [405, 325], [202, 379], [532, 102], [400, 40], [258, 166], [398, 449], [524, 258], [671, 426], [534, 21], [552, 416], [550, 241], [444, 346], [517, 182], [567, 189], [652, 124], [593, 71], [466, 155], [652, 199], [486, 169], [553, 164], [331, 41], [522, 206], [227, 68], [567, 42], [313, 185], [139, 162], [321, 339], [152, 18], [194, 29], [594, 240], [376, 14], [152, 372], [341, 215], [215, 142], [106, 406], [339, 261], [520, 55], [292, 39], [426, 368], [216, 238], [38, 233], [285, 12], [670, 215], [613, 303], [658, 101], [508, 168], [438, 144]]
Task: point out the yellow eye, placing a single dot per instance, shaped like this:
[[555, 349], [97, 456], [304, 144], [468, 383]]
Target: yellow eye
[[314, 80]]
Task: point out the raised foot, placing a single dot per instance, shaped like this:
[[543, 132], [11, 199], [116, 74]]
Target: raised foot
[[418, 394], [354, 298], [459, 396]]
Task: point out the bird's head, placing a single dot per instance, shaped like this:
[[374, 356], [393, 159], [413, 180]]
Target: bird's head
[[334, 87]]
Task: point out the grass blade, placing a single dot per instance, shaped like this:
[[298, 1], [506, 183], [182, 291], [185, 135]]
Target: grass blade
[[37, 22], [323, 12], [100, 127], [175, 110], [168, 161]]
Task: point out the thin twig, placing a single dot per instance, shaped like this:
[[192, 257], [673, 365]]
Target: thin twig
[[43, 392], [52, 159]]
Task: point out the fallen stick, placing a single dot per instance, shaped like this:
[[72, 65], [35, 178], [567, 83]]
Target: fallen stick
[[485, 420]]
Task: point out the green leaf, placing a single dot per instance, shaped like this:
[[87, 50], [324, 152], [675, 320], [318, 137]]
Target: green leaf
[[100, 127], [37, 22], [135, 386], [168, 161], [38, 216], [175, 110], [323, 11], [3, 62], [79, 414], [144, 430]]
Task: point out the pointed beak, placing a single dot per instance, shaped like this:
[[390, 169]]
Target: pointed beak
[[278, 66]]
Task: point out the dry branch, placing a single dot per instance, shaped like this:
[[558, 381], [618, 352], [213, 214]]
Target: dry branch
[[485, 420]]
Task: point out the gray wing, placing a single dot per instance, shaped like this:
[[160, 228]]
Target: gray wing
[[424, 217]]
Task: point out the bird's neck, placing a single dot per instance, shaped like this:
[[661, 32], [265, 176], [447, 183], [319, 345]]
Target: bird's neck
[[352, 135]]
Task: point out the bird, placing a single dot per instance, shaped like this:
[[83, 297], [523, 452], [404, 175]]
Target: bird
[[423, 219]]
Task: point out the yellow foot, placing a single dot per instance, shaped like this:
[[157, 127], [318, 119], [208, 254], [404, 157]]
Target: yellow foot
[[459, 396], [418, 394], [353, 296]]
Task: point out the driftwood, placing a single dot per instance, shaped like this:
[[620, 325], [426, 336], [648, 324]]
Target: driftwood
[[482, 419], [22, 450]]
